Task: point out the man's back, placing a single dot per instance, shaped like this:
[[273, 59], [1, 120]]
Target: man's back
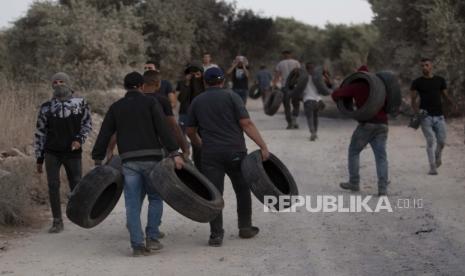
[[264, 78], [216, 113], [285, 67], [139, 123]]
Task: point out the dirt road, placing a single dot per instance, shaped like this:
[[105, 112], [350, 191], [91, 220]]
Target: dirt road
[[428, 240]]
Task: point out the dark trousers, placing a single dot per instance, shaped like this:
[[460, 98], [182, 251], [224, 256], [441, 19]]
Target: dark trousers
[[311, 112], [214, 167], [73, 170], [291, 105]]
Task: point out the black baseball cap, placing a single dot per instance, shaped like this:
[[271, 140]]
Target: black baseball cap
[[133, 80]]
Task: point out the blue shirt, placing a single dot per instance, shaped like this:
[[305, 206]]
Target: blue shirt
[[264, 78]]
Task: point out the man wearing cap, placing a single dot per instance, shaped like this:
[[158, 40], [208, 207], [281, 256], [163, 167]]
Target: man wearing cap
[[220, 117], [141, 130], [63, 124], [165, 89]]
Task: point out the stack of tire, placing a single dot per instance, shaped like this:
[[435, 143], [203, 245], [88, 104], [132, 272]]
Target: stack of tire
[[384, 93]]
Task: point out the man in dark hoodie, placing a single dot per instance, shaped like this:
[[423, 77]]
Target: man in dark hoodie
[[141, 129], [373, 132], [63, 124]]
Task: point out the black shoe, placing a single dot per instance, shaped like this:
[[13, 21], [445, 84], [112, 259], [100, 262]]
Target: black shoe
[[433, 171], [141, 251], [249, 232], [289, 126], [57, 226], [350, 186], [215, 240], [313, 137], [382, 191], [153, 245]]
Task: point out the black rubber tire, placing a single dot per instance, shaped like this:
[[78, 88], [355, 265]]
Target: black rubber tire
[[93, 199], [320, 83], [187, 191], [296, 83], [393, 92], [374, 103], [254, 92], [269, 178], [273, 102]]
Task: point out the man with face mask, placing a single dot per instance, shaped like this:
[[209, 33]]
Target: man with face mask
[[189, 89], [63, 124]]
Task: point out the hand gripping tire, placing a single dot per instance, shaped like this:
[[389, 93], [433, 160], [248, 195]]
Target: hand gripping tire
[[187, 191]]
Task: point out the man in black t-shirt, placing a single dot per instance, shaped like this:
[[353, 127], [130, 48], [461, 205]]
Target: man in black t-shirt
[[431, 89], [220, 116], [165, 88]]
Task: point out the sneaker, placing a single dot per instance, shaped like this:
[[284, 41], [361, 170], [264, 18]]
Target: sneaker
[[313, 137], [438, 161], [57, 226], [153, 245], [350, 186], [215, 240], [141, 251], [382, 191], [249, 232], [433, 171]]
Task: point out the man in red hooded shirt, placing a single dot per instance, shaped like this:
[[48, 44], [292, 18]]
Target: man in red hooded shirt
[[373, 132]]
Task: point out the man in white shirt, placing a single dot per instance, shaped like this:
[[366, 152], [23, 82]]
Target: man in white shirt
[[312, 103], [207, 62], [282, 71]]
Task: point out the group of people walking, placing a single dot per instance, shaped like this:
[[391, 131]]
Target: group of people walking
[[214, 118]]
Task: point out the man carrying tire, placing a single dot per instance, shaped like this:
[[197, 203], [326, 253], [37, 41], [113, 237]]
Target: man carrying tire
[[63, 125], [263, 78], [373, 131], [431, 88], [220, 117], [141, 130], [282, 71], [312, 102]]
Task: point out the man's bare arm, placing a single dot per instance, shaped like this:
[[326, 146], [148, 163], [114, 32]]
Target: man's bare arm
[[173, 99], [194, 136], [413, 103], [180, 139], [251, 130]]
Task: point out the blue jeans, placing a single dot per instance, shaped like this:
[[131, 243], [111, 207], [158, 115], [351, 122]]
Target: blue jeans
[[434, 129], [376, 136], [242, 93], [136, 184]]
